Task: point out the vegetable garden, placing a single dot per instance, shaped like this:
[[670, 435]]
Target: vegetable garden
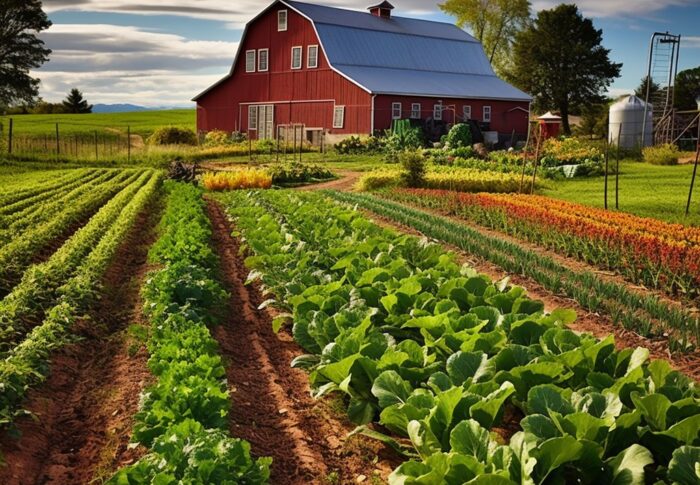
[[184, 308]]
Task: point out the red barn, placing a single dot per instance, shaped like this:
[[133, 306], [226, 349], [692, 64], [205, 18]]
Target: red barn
[[344, 72]]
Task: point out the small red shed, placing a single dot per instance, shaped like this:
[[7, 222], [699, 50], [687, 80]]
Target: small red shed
[[345, 72]]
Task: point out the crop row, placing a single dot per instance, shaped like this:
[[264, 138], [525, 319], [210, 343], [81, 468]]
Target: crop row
[[647, 315], [27, 364], [646, 251], [26, 185], [450, 178], [439, 355], [39, 288], [184, 415], [20, 251], [28, 204], [14, 225]]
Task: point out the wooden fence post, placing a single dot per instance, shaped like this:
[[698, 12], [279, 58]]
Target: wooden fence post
[[58, 143], [607, 158], [128, 143], [695, 171], [617, 168], [9, 141]]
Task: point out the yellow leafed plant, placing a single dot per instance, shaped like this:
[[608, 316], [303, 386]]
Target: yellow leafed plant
[[248, 178]]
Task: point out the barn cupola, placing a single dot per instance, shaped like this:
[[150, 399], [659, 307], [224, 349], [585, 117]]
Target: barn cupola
[[382, 10]]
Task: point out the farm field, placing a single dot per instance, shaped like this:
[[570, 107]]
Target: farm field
[[142, 123], [472, 357]]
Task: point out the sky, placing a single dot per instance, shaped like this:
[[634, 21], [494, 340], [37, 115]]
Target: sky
[[162, 53]]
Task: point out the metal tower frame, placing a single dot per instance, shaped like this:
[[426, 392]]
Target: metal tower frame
[[663, 128]]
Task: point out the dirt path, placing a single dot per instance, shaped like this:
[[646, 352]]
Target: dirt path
[[271, 403], [345, 183], [85, 409], [594, 323]]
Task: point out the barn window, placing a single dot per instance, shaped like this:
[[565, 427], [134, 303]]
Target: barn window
[[281, 20], [396, 111], [487, 114], [296, 57], [250, 61], [437, 112], [263, 59], [467, 112], [252, 118], [339, 117], [415, 111], [312, 57]]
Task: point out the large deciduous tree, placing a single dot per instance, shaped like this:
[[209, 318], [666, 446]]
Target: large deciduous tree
[[687, 88], [76, 103], [20, 49], [494, 23], [560, 61]]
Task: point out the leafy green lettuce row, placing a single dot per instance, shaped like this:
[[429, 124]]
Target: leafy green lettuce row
[[183, 417], [437, 353]]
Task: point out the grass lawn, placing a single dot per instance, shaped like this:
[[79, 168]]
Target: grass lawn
[[645, 190], [142, 122]]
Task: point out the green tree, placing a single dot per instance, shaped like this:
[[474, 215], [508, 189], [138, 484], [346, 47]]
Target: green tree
[[559, 59], [641, 91], [20, 49], [75, 103], [494, 23], [687, 88]]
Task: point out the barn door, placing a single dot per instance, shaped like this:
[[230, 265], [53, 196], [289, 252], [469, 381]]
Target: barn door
[[266, 121]]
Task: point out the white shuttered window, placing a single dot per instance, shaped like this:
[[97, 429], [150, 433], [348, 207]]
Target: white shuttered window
[[263, 59], [312, 57], [249, 61], [339, 117], [415, 111], [281, 20], [437, 112], [296, 57], [487, 114], [396, 111]]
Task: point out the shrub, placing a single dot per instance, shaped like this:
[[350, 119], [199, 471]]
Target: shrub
[[172, 135], [569, 151], [462, 152], [413, 165], [666, 154], [355, 145], [295, 172], [217, 138], [460, 135]]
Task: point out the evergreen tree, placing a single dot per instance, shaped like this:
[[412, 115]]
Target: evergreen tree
[[687, 88], [641, 91], [20, 49], [560, 61], [75, 103]]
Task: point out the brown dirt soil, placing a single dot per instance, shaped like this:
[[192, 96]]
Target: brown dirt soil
[[346, 182], [594, 323], [271, 403], [84, 411]]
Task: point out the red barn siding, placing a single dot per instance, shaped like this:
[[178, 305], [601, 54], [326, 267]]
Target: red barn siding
[[225, 106], [505, 117]]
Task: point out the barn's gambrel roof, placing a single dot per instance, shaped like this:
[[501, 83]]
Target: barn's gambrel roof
[[403, 56]]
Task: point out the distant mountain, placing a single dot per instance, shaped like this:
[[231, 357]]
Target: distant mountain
[[128, 108]]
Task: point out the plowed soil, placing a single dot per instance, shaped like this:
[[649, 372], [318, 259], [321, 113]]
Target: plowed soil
[[84, 411], [271, 403]]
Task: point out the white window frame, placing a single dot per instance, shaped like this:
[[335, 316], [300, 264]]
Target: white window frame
[[267, 60], [467, 112], [252, 115], [341, 110], [309, 65], [250, 61], [394, 108], [416, 110], [282, 26], [437, 112], [301, 57], [487, 114]]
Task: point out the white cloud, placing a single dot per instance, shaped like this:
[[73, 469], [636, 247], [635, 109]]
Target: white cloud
[[112, 63], [616, 8], [237, 13], [692, 41]]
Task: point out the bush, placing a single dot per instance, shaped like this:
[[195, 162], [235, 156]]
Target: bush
[[295, 172], [217, 138], [355, 145], [413, 164], [248, 178], [462, 152], [172, 135], [666, 154], [460, 135]]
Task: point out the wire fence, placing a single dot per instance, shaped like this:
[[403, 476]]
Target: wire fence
[[83, 143]]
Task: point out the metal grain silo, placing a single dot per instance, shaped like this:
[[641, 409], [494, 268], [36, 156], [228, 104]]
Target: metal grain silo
[[627, 122]]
